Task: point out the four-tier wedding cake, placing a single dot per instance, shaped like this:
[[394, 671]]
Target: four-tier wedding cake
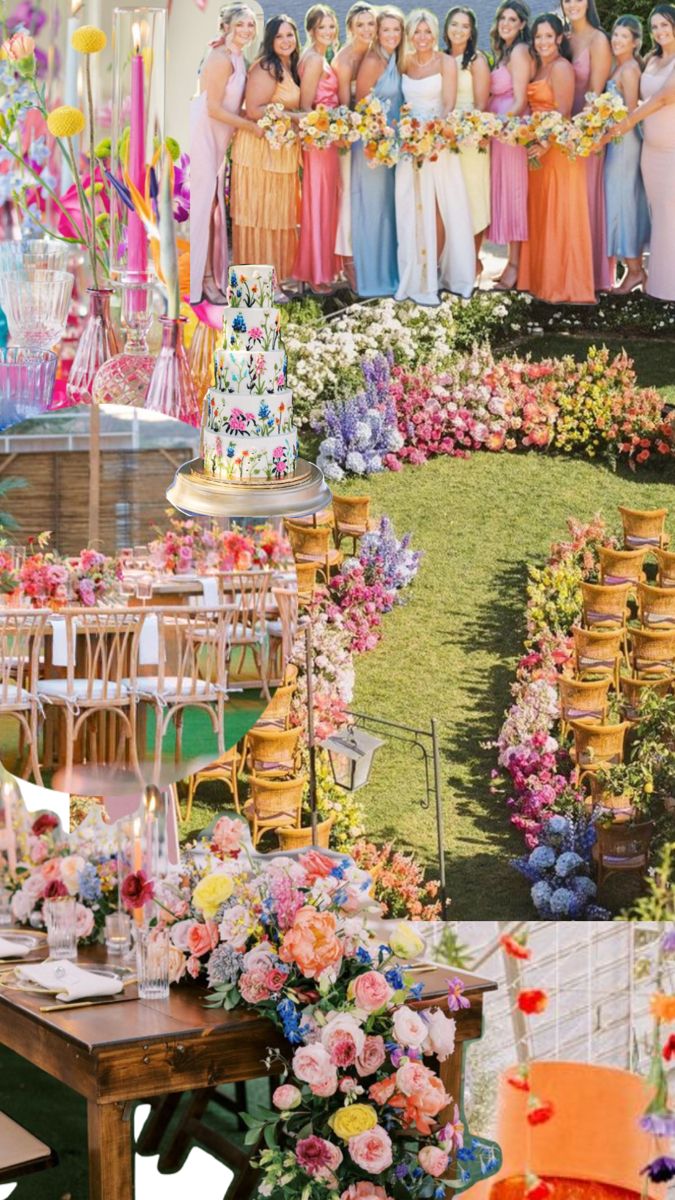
[[247, 428]]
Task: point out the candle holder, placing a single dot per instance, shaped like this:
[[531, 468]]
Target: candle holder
[[139, 86], [124, 378], [98, 342]]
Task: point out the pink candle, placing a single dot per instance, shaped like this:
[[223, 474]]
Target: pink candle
[[137, 253]]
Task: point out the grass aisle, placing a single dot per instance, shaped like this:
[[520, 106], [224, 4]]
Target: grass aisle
[[451, 651]]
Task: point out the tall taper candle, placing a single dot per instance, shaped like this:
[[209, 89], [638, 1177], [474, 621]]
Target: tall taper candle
[[137, 253]]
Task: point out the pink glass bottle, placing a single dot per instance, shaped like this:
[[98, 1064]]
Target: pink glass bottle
[[172, 391], [98, 343], [125, 378]]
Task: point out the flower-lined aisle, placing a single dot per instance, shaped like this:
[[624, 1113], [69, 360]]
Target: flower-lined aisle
[[546, 802]]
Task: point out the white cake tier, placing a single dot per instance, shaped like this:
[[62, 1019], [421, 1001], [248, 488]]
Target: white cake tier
[[247, 372], [248, 416], [251, 286], [250, 458], [251, 329]]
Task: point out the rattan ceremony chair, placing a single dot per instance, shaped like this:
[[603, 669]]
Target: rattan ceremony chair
[[351, 518], [300, 839], [652, 652], [621, 566], [656, 606], [632, 691], [596, 746], [278, 712], [582, 700], [21, 637], [622, 847], [313, 546], [274, 804], [273, 753], [223, 770], [306, 577], [598, 653], [644, 527], [605, 606], [666, 568]]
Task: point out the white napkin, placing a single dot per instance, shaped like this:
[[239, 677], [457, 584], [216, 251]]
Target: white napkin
[[75, 984], [10, 949], [148, 643], [209, 597], [59, 642]]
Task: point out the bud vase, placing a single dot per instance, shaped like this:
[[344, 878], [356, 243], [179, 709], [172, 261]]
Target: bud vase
[[205, 340], [171, 390], [97, 344]]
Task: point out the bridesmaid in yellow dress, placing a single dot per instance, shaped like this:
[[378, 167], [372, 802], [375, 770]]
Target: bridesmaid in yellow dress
[[556, 263], [265, 201], [473, 92]]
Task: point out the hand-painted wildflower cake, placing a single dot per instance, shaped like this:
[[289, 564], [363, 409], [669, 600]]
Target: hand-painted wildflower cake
[[248, 432]]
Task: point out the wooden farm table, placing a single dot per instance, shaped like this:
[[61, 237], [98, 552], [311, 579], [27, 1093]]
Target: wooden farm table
[[122, 1052]]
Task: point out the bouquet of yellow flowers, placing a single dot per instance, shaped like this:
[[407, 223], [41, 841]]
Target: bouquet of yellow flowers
[[277, 125], [378, 137], [327, 127], [344, 127], [594, 122], [473, 129], [418, 139]]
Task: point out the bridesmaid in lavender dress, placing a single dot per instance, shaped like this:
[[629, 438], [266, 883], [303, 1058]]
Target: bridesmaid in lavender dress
[[657, 112], [316, 263], [592, 62], [508, 166], [214, 118]]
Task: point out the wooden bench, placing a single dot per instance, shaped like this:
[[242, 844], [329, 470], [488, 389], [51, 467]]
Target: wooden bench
[[20, 1152]]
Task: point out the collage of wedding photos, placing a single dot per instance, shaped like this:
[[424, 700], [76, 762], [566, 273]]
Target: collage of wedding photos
[[337, 600]]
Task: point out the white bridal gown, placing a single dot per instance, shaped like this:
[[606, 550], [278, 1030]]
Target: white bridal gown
[[419, 192]]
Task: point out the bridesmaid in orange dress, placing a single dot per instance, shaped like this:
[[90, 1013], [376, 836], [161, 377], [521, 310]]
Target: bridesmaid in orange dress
[[556, 263], [265, 191], [316, 262]]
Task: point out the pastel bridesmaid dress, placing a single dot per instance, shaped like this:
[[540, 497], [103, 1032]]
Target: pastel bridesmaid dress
[[315, 262], [475, 163], [508, 171], [625, 199], [594, 167], [374, 204], [343, 237], [209, 141], [658, 173], [556, 263]]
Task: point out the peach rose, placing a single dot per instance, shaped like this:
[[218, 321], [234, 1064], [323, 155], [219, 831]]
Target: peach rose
[[372, 1056], [51, 870], [71, 869], [410, 1029], [311, 942], [312, 1065], [371, 1150], [383, 1090], [371, 991], [177, 964], [202, 938], [433, 1160]]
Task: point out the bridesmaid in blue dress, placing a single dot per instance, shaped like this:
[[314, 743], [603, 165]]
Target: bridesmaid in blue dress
[[627, 213], [374, 188]]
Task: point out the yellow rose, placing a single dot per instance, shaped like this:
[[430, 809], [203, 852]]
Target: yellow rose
[[65, 122], [88, 39], [211, 892], [355, 1118], [405, 942]]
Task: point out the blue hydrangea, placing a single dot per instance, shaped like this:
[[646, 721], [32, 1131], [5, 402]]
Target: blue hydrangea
[[562, 902], [583, 886], [568, 863], [365, 424], [541, 858], [557, 825], [356, 463], [541, 894], [89, 884]]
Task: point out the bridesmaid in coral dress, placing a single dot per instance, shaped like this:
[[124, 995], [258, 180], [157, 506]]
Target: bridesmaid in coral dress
[[215, 115], [657, 112], [510, 38], [360, 24], [556, 264], [315, 262], [592, 62]]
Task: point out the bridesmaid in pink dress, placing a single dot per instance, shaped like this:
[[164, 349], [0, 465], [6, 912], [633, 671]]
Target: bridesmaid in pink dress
[[508, 164], [657, 112], [316, 262], [214, 118], [592, 62]]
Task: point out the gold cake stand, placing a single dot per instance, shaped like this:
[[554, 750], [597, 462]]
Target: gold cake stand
[[196, 494]]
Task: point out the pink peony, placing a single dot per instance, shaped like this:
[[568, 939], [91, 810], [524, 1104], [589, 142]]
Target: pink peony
[[371, 1150], [312, 1065], [441, 1035], [371, 991], [343, 1039], [410, 1029], [433, 1160], [372, 1056], [253, 986], [286, 1097]]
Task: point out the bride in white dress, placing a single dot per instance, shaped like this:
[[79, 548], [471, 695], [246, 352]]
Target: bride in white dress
[[433, 218]]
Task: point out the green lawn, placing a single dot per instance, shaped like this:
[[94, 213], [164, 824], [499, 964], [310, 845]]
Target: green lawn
[[450, 651]]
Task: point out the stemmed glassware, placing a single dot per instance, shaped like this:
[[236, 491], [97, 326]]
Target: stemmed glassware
[[36, 303]]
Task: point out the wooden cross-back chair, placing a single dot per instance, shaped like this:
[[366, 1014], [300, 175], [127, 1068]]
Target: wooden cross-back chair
[[644, 527], [274, 804], [652, 652], [598, 652], [99, 685], [621, 566], [282, 632], [582, 700], [247, 592], [622, 847], [605, 606], [21, 1153], [351, 518], [656, 606], [21, 639], [596, 746]]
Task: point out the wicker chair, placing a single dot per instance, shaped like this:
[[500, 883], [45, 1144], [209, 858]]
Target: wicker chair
[[596, 746], [324, 517], [666, 568], [621, 566], [352, 518], [274, 804], [224, 770], [582, 700], [306, 576], [632, 691], [299, 839], [656, 606], [273, 753], [652, 652], [605, 803], [21, 634], [312, 545], [622, 847], [598, 653], [605, 605], [290, 675], [278, 712], [644, 527]]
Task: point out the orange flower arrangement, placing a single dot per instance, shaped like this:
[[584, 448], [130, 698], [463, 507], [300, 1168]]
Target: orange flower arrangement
[[312, 942]]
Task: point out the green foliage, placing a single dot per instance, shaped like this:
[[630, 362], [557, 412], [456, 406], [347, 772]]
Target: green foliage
[[609, 10], [659, 902], [7, 521]]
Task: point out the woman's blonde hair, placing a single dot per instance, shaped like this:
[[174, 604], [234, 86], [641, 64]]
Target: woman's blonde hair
[[420, 16], [390, 12]]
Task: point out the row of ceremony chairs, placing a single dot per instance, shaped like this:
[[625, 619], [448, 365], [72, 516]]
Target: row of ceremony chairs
[[310, 537]]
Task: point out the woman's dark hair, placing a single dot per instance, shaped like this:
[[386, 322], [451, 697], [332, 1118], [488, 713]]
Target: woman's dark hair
[[591, 16], [501, 51], [472, 44], [634, 24], [269, 60], [660, 10], [559, 30]]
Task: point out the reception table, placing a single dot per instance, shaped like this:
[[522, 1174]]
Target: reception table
[[124, 1051]]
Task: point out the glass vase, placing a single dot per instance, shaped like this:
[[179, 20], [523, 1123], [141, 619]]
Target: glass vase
[[205, 340], [172, 390], [125, 378], [98, 343]]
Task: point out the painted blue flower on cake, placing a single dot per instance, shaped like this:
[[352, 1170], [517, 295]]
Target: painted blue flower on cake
[[265, 419], [239, 323]]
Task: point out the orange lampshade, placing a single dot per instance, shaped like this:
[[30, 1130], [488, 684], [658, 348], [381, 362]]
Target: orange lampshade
[[593, 1136]]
